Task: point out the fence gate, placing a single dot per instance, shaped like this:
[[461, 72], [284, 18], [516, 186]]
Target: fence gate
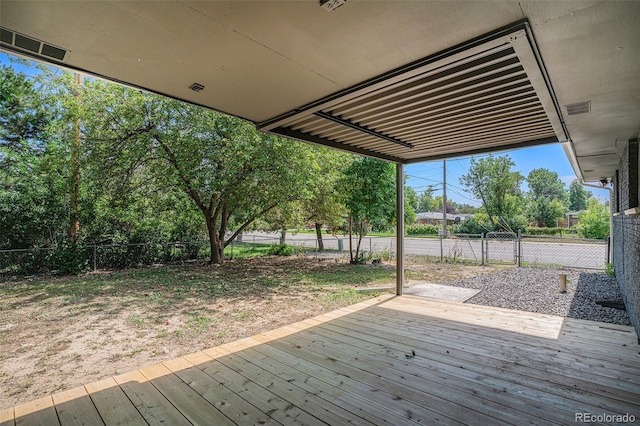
[[501, 247]]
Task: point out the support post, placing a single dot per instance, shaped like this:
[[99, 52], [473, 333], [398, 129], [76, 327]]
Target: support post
[[399, 228]]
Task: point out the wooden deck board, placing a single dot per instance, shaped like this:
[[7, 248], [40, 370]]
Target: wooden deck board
[[472, 365], [113, 405], [74, 407]]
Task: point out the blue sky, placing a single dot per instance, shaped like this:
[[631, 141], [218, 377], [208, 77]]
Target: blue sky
[[551, 157], [420, 176]]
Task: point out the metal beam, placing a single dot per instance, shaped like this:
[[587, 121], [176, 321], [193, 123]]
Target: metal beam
[[305, 137], [363, 129], [399, 228]]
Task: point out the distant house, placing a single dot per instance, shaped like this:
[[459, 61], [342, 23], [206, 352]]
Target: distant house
[[571, 219], [435, 218]]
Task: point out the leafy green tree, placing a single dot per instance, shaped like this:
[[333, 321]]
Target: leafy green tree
[[548, 197], [492, 181], [410, 200], [325, 206], [466, 209], [33, 159], [231, 172], [23, 117], [578, 196], [425, 201], [546, 212], [369, 195], [594, 222]]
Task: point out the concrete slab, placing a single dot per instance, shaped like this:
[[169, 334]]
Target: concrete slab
[[442, 292]]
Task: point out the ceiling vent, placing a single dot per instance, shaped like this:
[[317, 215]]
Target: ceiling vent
[[23, 44], [579, 108]]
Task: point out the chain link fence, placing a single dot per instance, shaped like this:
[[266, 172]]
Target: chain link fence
[[480, 249]]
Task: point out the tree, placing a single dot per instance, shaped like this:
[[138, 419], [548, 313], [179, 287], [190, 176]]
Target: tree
[[32, 162], [492, 181], [325, 206], [231, 172], [544, 183], [578, 196], [548, 197], [23, 117], [410, 200], [425, 201], [369, 195], [594, 222]]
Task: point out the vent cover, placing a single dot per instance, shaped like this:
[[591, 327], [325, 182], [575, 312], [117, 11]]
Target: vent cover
[[22, 43], [579, 108]]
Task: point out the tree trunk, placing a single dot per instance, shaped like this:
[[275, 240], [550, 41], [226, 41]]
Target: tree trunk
[[283, 235], [359, 240], [350, 238], [319, 235], [215, 243], [74, 201]]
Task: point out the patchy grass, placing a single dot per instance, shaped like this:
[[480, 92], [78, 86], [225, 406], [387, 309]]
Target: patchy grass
[[61, 332]]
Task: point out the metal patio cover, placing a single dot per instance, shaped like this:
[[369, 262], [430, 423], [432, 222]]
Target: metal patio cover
[[404, 81]]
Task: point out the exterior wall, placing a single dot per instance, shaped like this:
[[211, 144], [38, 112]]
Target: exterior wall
[[626, 255], [626, 233]]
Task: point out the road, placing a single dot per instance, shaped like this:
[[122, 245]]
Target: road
[[568, 254]]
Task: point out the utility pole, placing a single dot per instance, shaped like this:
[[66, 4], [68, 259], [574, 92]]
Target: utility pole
[[444, 198]]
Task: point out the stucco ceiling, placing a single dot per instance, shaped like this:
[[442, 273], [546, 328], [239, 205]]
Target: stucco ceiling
[[294, 68]]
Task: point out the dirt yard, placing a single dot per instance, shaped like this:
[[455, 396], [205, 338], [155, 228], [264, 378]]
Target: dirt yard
[[57, 333]]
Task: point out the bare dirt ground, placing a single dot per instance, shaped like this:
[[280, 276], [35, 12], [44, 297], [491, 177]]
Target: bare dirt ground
[[57, 333]]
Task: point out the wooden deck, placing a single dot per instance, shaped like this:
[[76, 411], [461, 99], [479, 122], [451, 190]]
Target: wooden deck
[[472, 365]]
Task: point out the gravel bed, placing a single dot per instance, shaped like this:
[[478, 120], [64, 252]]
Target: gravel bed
[[537, 290]]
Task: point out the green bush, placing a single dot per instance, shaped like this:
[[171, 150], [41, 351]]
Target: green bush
[[281, 250], [69, 259], [555, 231], [421, 229]]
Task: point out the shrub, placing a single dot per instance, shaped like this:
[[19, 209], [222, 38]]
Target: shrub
[[555, 231], [281, 250], [69, 258], [421, 229]]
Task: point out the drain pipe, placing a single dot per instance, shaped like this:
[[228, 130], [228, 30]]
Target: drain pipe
[[590, 185]]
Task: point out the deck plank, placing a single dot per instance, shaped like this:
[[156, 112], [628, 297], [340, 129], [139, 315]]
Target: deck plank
[[271, 404], [328, 412], [195, 408], [148, 400], [6, 417], [113, 405], [74, 407], [225, 400], [522, 363], [38, 412]]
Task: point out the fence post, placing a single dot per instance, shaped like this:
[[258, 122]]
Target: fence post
[[486, 248], [441, 249], [370, 250], [482, 249], [520, 248], [609, 249], [95, 257]]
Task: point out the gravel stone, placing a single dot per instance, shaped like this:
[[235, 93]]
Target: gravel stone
[[538, 290]]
